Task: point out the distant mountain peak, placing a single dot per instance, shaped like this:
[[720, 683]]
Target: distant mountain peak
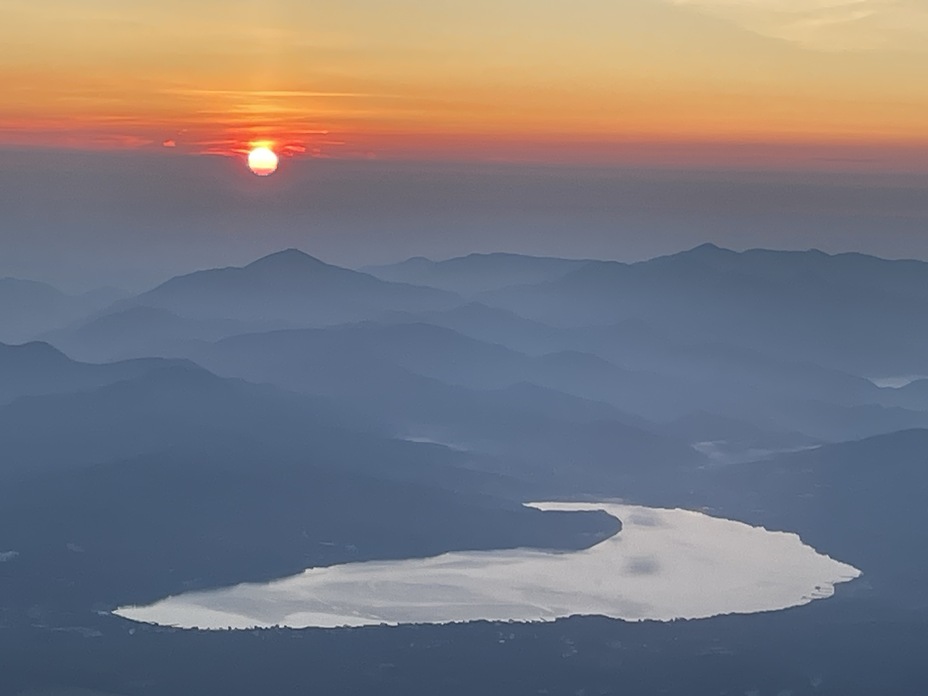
[[710, 248], [419, 259], [287, 259], [714, 249]]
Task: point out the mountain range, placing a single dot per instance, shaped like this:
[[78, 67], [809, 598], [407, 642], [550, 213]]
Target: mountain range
[[241, 423]]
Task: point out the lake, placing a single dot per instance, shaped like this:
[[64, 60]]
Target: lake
[[665, 564]]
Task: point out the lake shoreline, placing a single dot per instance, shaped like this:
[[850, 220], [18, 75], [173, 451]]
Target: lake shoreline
[[664, 565]]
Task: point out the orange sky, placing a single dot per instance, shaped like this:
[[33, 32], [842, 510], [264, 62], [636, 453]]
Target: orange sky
[[536, 79]]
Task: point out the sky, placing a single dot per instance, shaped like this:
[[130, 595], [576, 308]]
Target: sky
[[580, 128], [367, 77]]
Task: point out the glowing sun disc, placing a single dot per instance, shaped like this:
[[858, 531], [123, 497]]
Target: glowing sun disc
[[263, 161]]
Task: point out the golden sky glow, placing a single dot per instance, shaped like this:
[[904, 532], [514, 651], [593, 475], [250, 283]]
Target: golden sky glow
[[367, 78]]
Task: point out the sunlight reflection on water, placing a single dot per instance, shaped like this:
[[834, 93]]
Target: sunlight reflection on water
[[663, 565]]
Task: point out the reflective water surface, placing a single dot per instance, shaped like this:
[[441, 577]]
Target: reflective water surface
[[664, 564]]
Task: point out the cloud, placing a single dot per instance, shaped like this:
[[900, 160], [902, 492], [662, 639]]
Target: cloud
[[829, 25]]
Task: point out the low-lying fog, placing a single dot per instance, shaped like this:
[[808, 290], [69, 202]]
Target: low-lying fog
[[664, 564], [896, 382]]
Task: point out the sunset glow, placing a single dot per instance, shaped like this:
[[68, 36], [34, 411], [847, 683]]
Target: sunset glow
[[439, 80]]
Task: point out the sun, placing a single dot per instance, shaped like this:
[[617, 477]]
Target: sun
[[263, 161]]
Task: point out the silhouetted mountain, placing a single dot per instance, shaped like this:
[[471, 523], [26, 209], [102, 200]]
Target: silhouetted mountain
[[533, 398], [393, 369], [830, 422], [36, 368], [490, 325], [725, 365], [336, 357], [144, 331], [667, 378], [29, 308], [179, 404], [847, 272], [288, 286], [418, 379], [476, 273], [847, 311]]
